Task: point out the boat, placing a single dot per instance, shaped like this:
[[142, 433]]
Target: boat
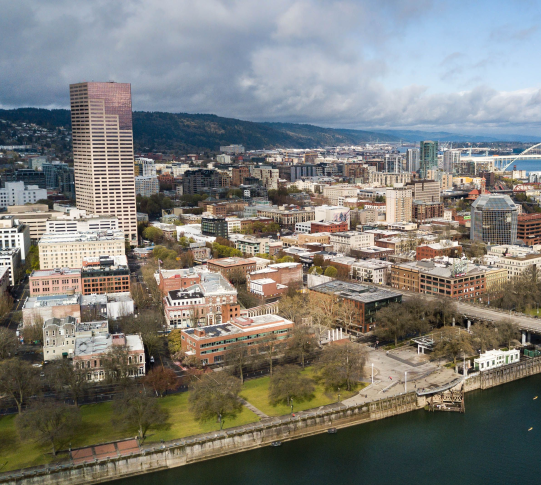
[[332, 431], [535, 398], [530, 429], [276, 443]]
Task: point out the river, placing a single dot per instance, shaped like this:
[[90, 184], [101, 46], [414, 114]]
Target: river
[[490, 444]]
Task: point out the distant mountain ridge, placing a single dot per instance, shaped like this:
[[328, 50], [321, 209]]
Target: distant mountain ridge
[[159, 131]]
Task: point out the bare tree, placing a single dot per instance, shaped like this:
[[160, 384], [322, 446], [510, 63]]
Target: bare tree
[[270, 349], [136, 409], [342, 365], [49, 422], [8, 343], [452, 343], [301, 343], [117, 366], [239, 357], [391, 323], [161, 380], [288, 383], [19, 380], [348, 314], [507, 331], [215, 396], [484, 337], [67, 380]]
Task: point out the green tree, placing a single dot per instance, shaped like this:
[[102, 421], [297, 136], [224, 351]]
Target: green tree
[[288, 383], [49, 422], [153, 234], [215, 395], [174, 341], [331, 272]]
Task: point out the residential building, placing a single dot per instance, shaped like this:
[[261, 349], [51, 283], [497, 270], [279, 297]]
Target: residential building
[[105, 274], [337, 193], [214, 226], [345, 242], [227, 265], [38, 309], [250, 245], [423, 211], [374, 252], [494, 219], [11, 259], [302, 239], [371, 271], [101, 122], [61, 177], [496, 358], [268, 176], [146, 186], [201, 181], [529, 229], [428, 191], [328, 227], [328, 213], [450, 159], [428, 157], [412, 160], [398, 201], [287, 218], [517, 265], [443, 248], [16, 193], [145, 167], [90, 352], [59, 336], [367, 299], [385, 179], [460, 279], [210, 301], [209, 344], [70, 249], [238, 174], [58, 281], [14, 234]]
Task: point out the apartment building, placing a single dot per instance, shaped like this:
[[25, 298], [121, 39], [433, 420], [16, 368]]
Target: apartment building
[[209, 344], [287, 218], [251, 245], [146, 186], [337, 193], [227, 265], [371, 271], [70, 249], [398, 202], [517, 265], [269, 176], [428, 191], [101, 121]]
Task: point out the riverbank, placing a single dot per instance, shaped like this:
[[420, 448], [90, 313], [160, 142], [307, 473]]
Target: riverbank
[[235, 440]]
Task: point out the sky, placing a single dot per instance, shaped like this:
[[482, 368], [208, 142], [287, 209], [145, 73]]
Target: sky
[[460, 66]]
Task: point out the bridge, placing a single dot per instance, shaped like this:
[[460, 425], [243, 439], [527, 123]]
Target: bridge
[[503, 162]]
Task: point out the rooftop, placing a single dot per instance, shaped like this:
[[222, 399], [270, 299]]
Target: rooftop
[[233, 261], [354, 291], [41, 273], [81, 237], [51, 300]]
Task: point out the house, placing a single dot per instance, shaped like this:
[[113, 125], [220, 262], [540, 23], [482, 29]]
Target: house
[[496, 358]]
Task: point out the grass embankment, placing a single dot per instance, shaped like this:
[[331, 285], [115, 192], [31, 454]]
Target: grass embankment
[[256, 392], [97, 426]]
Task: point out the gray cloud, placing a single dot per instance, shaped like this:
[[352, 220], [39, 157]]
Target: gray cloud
[[318, 61]]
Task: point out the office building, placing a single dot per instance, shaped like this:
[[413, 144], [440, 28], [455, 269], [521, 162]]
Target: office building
[[16, 193], [428, 157], [232, 149], [57, 281], [529, 229], [494, 219], [68, 250], [101, 120], [145, 167], [201, 181], [30, 177], [61, 177], [77, 221], [450, 159], [11, 258], [428, 191], [398, 203], [214, 226]]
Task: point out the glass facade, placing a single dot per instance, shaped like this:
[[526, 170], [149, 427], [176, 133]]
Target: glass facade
[[494, 220]]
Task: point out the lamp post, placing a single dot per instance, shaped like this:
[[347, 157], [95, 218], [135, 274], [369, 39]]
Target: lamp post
[[291, 405], [372, 372], [338, 394], [406, 381]]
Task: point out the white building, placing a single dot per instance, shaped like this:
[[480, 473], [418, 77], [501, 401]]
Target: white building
[[224, 159], [398, 202], [147, 167], [119, 305], [496, 358], [233, 225], [303, 227], [516, 265], [77, 221], [268, 176], [450, 159], [330, 213], [146, 186], [16, 193], [337, 193], [344, 242], [372, 271], [11, 258], [13, 234]]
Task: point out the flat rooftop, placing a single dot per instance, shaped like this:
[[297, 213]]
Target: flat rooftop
[[229, 262], [354, 291], [41, 273]]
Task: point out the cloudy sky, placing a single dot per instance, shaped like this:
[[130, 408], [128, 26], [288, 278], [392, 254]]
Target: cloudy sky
[[457, 65]]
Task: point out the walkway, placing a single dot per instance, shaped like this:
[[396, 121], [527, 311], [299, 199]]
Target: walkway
[[252, 408]]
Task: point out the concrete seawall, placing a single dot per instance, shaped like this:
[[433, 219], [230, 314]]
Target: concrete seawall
[[234, 440]]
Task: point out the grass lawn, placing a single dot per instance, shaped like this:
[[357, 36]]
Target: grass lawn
[[256, 392], [96, 428]]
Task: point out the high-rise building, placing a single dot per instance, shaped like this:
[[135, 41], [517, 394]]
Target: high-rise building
[[101, 120], [398, 203], [450, 158], [428, 157], [412, 160], [60, 176], [494, 219], [425, 190]]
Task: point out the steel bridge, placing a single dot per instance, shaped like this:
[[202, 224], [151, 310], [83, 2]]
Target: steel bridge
[[503, 162]]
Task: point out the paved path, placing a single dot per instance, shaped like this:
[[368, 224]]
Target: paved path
[[252, 408]]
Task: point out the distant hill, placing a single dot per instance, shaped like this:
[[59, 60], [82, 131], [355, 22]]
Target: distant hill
[[158, 131]]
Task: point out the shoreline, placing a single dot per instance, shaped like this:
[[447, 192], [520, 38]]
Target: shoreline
[[236, 440]]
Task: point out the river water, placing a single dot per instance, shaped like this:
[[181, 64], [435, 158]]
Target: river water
[[489, 444]]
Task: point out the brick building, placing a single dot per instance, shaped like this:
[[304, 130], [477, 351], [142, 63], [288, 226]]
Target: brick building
[[209, 344], [239, 174], [226, 265], [423, 211], [529, 229], [329, 227], [55, 282], [443, 248], [105, 275], [281, 273]]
